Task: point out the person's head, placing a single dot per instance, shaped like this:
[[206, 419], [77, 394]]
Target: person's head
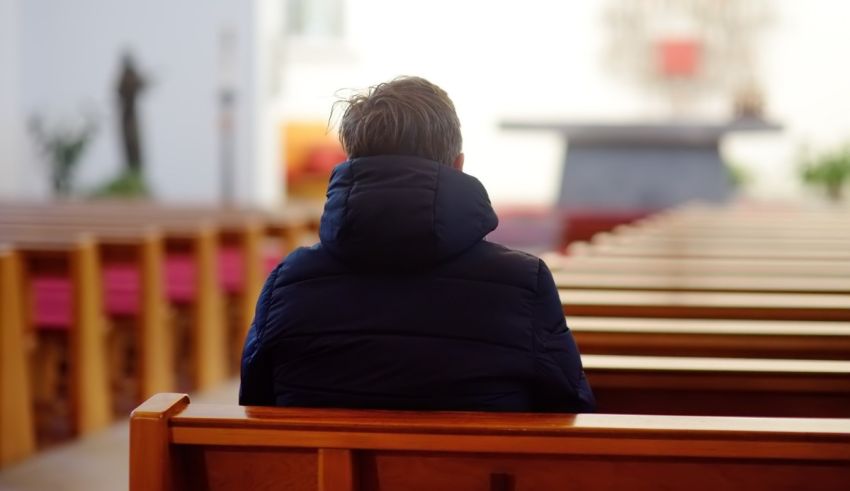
[[407, 116]]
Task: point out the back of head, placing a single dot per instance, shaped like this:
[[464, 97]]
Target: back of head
[[407, 116]]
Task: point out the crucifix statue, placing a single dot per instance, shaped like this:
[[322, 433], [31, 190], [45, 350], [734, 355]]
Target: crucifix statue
[[130, 85]]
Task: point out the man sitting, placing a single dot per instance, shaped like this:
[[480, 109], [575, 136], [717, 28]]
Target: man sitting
[[403, 304]]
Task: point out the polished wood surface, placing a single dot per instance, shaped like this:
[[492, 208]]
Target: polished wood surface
[[674, 281], [142, 249], [148, 247], [689, 250], [91, 406], [174, 442], [706, 305], [712, 337], [241, 230], [77, 259], [697, 267], [719, 386], [17, 427]]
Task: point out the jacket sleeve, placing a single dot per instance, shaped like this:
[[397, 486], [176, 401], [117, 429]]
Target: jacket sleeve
[[257, 386], [560, 383]]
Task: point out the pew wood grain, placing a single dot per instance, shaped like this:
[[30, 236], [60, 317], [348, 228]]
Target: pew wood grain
[[17, 423], [712, 338], [175, 443], [719, 386], [143, 249], [675, 281], [706, 305]]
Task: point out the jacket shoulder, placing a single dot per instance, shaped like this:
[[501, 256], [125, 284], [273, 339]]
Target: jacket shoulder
[[309, 263], [495, 263]]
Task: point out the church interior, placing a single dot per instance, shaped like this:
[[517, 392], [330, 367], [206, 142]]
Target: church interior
[[681, 166]]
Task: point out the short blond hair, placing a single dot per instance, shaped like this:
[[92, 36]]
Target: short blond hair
[[406, 116]]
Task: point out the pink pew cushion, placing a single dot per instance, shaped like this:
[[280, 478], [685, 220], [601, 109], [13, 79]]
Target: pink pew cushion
[[52, 302], [180, 278], [231, 269], [122, 289], [270, 260]]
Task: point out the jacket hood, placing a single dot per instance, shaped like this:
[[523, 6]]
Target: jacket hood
[[392, 212]]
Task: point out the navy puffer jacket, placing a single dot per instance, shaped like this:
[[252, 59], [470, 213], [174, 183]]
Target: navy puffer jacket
[[403, 305]]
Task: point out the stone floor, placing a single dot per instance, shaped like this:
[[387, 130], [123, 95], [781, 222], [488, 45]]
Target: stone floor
[[99, 462]]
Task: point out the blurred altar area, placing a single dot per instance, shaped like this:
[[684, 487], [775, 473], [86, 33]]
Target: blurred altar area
[[576, 116]]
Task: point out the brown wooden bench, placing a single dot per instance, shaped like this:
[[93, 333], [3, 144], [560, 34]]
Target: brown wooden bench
[[178, 445], [142, 251], [706, 305], [729, 225], [242, 232], [145, 248], [691, 250], [785, 235], [685, 282], [17, 426], [719, 386], [712, 338], [739, 214], [78, 260], [586, 264], [788, 232]]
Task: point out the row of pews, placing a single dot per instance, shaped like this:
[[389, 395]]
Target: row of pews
[[717, 342], [104, 304]]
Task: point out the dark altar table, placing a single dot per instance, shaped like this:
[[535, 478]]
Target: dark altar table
[[642, 166]]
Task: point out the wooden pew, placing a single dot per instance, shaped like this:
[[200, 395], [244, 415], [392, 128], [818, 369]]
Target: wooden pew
[[664, 240], [240, 230], [239, 233], [141, 251], [585, 264], [198, 243], [691, 250], [719, 386], [17, 426], [727, 224], [686, 282], [178, 445], [78, 259], [738, 215], [712, 338], [788, 232], [706, 305]]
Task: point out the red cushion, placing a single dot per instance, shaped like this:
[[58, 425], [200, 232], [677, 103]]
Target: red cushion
[[180, 278], [122, 289], [52, 302], [270, 260], [231, 269]]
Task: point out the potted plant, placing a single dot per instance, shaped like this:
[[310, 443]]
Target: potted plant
[[63, 146], [129, 185], [829, 170]]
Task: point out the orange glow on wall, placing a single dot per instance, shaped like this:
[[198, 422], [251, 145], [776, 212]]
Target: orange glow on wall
[[678, 57]]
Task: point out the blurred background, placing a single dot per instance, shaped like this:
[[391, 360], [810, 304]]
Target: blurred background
[[577, 116], [234, 98]]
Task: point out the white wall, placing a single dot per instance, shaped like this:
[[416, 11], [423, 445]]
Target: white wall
[[10, 127], [544, 59], [533, 59], [70, 54], [807, 85]]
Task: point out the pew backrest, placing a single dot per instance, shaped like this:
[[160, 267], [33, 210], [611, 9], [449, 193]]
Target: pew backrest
[[178, 445]]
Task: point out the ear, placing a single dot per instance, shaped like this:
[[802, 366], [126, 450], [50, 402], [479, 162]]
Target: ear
[[458, 163]]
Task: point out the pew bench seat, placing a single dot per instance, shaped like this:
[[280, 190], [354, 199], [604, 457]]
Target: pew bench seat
[[712, 338], [178, 445], [706, 305]]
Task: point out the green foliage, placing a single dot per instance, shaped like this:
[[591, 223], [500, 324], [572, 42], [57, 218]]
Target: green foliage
[[130, 184], [63, 146], [829, 170], [739, 176]]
